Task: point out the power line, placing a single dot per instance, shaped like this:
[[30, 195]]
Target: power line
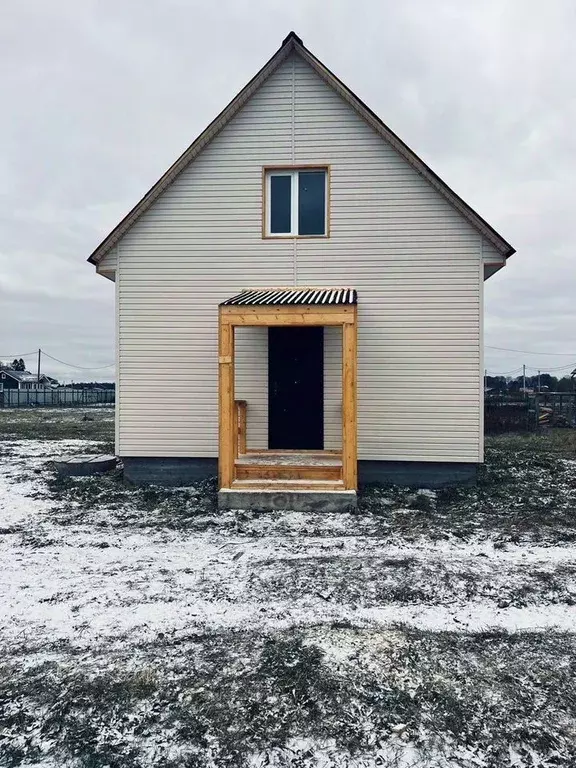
[[559, 368], [504, 373], [532, 368], [28, 354], [70, 365], [525, 352], [78, 367]]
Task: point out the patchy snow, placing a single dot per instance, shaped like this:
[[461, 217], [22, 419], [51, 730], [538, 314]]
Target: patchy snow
[[87, 584], [99, 591], [310, 752], [18, 491], [474, 617]]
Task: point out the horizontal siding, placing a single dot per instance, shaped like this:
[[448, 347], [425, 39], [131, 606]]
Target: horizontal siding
[[195, 247], [332, 388], [110, 261], [491, 255], [412, 258], [415, 264], [251, 383]]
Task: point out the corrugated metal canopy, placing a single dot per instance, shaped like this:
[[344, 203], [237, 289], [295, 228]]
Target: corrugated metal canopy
[[258, 296]]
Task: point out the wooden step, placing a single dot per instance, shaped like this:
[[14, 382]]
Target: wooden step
[[287, 485], [288, 472]]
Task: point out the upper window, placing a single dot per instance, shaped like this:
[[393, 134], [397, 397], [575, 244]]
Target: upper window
[[296, 202]]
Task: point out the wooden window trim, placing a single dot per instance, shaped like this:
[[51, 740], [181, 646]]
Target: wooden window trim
[[267, 169]]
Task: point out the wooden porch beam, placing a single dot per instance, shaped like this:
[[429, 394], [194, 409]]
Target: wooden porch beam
[[241, 424], [288, 315], [350, 405], [226, 430]]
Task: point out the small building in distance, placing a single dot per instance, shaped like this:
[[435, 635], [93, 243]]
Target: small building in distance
[[11, 379]]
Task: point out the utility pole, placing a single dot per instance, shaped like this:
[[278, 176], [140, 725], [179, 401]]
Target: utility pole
[[485, 379], [39, 358], [538, 382], [524, 379]]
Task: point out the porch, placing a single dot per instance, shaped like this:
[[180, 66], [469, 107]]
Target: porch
[[314, 470], [289, 471]]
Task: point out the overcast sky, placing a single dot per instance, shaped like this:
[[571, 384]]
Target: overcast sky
[[100, 96]]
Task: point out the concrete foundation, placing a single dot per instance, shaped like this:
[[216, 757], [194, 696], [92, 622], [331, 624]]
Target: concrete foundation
[[297, 501], [417, 474], [169, 472], [411, 474]]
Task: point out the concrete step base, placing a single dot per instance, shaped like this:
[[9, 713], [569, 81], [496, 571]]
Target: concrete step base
[[297, 501]]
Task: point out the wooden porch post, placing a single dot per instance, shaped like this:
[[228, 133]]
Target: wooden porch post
[[350, 404], [225, 401]]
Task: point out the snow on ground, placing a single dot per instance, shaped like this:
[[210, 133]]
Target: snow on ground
[[161, 631], [85, 583], [20, 477]]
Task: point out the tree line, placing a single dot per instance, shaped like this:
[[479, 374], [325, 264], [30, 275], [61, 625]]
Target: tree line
[[15, 365], [547, 383]]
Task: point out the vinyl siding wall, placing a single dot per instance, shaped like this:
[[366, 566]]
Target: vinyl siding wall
[[415, 262], [251, 369], [110, 261], [490, 255]]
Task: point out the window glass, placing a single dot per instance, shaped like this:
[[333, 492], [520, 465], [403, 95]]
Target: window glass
[[280, 204], [312, 203]]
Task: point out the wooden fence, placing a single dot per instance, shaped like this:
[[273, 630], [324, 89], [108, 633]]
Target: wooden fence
[[55, 398]]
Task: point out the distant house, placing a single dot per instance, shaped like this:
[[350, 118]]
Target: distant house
[[322, 291], [11, 379]]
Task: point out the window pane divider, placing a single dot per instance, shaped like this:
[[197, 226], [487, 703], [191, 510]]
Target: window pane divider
[[294, 211]]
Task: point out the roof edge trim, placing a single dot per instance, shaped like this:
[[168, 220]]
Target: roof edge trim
[[406, 152], [193, 150]]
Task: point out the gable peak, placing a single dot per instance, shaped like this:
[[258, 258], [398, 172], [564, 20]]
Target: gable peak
[[292, 42], [292, 36]]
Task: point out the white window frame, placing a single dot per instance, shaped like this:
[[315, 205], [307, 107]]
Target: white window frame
[[293, 173]]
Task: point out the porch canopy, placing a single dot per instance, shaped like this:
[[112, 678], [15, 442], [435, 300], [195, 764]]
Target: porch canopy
[[287, 307]]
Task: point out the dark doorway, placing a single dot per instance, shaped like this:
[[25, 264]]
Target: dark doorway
[[296, 388]]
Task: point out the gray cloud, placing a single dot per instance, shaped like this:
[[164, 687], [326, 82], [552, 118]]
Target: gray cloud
[[99, 97]]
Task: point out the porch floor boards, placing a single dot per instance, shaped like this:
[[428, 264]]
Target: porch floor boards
[[291, 468], [293, 458]]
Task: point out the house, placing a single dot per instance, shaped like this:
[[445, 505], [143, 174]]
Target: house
[[12, 379], [321, 288]]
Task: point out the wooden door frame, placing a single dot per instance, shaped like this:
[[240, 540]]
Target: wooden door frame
[[233, 316]]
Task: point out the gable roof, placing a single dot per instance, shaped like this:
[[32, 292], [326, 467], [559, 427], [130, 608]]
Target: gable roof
[[23, 376], [292, 43]]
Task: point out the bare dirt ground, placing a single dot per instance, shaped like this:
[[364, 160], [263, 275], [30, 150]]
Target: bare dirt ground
[[140, 627]]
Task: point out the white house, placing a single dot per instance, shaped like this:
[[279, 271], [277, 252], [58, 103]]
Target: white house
[[303, 262]]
